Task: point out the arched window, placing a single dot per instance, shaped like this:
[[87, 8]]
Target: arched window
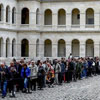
[[37, 48], [1, 12], [14, 15], [24, 48], [48, 17], [75, 17], [1, 47], [61, 17], [13, 48], [61, 48], [89, 48], [25, 16], [8, 14], [7, 47], [75, 48], [89, 16], [47, 48], [37, 16]]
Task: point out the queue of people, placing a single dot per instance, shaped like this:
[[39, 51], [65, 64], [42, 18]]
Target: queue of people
[[30, 76]]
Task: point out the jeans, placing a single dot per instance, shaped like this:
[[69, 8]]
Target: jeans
[[84, 73], [4, 88], [25, 83], [56, 78]]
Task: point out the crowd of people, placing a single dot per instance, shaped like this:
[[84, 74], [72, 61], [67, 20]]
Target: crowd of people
[[30, 76]]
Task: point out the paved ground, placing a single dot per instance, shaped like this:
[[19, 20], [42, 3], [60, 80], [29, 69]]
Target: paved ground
[[86, 89]]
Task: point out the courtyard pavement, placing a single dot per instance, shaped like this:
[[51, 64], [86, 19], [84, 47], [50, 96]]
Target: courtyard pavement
[[86, 89]]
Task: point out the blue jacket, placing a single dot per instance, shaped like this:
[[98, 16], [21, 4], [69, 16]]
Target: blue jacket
[[62, 67], [27, 71]]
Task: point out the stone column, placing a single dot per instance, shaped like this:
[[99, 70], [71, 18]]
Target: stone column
[[15, 49], [96, 19], [68, 20], [41, 17], [10, 16], [68, 48], [82, 19], [18, 17], [82, 49], [32, 20], [18, 51], [54, 50], [96, 49], [54, 20], [32, 50], [4, 48], [10, 49], [41, 49], [4, 15]]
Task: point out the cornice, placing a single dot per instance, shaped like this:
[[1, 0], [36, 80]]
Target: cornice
[[61, 0], [41, 31]]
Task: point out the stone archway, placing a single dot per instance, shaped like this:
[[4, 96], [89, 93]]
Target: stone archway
[[89, 48], [25, 16], [75, 17], [89, 16], [13, 48], [47, 48], [61, 48], [75, 48], [48, 17], [25, 48], [7, 47], [61, 17]]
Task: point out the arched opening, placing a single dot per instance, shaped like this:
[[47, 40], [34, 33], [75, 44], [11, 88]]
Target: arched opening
[[75, 48], [61, 17], [75, 17], [7, 14], [13, 48], [61, 48], [1, 12], [48, 17], [89, 48], [14, 15], [90, 16], [25, 16], [47, 48], [37, 16], [7, 47], [37, 48], [24, 48], [1, 47]]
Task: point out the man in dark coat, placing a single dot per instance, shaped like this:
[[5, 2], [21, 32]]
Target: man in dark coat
[[41, 74], [4, 76]]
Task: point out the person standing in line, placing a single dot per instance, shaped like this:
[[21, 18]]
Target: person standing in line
[[41, 75], [57, 70], [25, 74], [79, 69], [45, 66], [34, 71], [13, 77], [4, 77], [71, 69], [61, 74]]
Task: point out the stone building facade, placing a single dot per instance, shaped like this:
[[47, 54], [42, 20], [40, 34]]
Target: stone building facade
[[49, 28]]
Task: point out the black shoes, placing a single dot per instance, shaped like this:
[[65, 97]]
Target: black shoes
[[3, 96]]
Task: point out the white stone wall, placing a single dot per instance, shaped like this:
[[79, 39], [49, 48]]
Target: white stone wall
[[53, 32]]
